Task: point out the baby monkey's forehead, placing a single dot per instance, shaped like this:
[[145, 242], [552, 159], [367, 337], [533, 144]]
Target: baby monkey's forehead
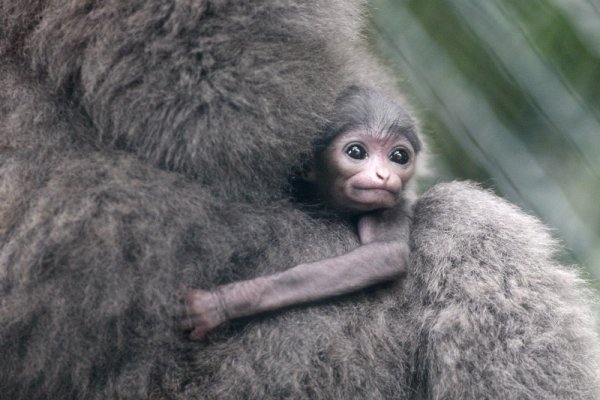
[[372, 136], [366, 110], [403, 132], [389, 120]]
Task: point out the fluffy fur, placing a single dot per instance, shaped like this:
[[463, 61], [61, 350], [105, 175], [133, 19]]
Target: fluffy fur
[[145, 147]]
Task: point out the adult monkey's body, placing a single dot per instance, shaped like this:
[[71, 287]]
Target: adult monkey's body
[[361, 169], [145, 151]]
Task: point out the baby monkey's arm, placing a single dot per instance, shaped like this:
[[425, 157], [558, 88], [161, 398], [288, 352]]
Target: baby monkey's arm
[[362, 172], [362, 267]]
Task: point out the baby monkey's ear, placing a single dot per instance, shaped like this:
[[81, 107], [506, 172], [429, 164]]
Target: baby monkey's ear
[[308, 172]]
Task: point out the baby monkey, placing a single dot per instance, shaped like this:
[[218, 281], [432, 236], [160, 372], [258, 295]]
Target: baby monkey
[[360, 169]]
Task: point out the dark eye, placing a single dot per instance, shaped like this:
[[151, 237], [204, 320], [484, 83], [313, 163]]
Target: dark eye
[[356, 151], [400, 156]]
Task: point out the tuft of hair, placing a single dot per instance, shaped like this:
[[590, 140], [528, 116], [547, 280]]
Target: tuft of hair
[[377, 114]]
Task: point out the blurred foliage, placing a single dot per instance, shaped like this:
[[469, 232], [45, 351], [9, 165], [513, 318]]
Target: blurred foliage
[[508, 92]]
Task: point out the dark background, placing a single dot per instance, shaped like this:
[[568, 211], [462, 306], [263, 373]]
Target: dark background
[[508, 93]]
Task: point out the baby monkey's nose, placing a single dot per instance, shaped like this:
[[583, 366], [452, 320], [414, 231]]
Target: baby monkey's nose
[[382, 173]]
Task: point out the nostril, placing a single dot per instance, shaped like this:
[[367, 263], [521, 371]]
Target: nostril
[[382, 174]]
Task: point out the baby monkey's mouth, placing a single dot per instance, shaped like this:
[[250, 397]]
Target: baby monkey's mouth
[[382, 189], [378, 197]]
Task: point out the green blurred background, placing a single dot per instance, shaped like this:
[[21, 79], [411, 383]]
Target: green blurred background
[[508, 93]]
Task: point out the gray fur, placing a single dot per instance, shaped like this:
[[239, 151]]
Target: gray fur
[[144, 146], [359, 106]]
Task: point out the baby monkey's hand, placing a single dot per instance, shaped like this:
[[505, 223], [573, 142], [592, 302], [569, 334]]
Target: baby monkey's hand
[[203, 313]]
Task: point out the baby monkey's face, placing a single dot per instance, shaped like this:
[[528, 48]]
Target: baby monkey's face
[[359, 172]]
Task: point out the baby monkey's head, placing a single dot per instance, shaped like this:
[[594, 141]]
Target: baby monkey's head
[[367, 154]]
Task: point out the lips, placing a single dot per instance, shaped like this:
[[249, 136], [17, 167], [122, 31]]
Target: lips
[[392, 185], [374, 188], [373, 195]]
